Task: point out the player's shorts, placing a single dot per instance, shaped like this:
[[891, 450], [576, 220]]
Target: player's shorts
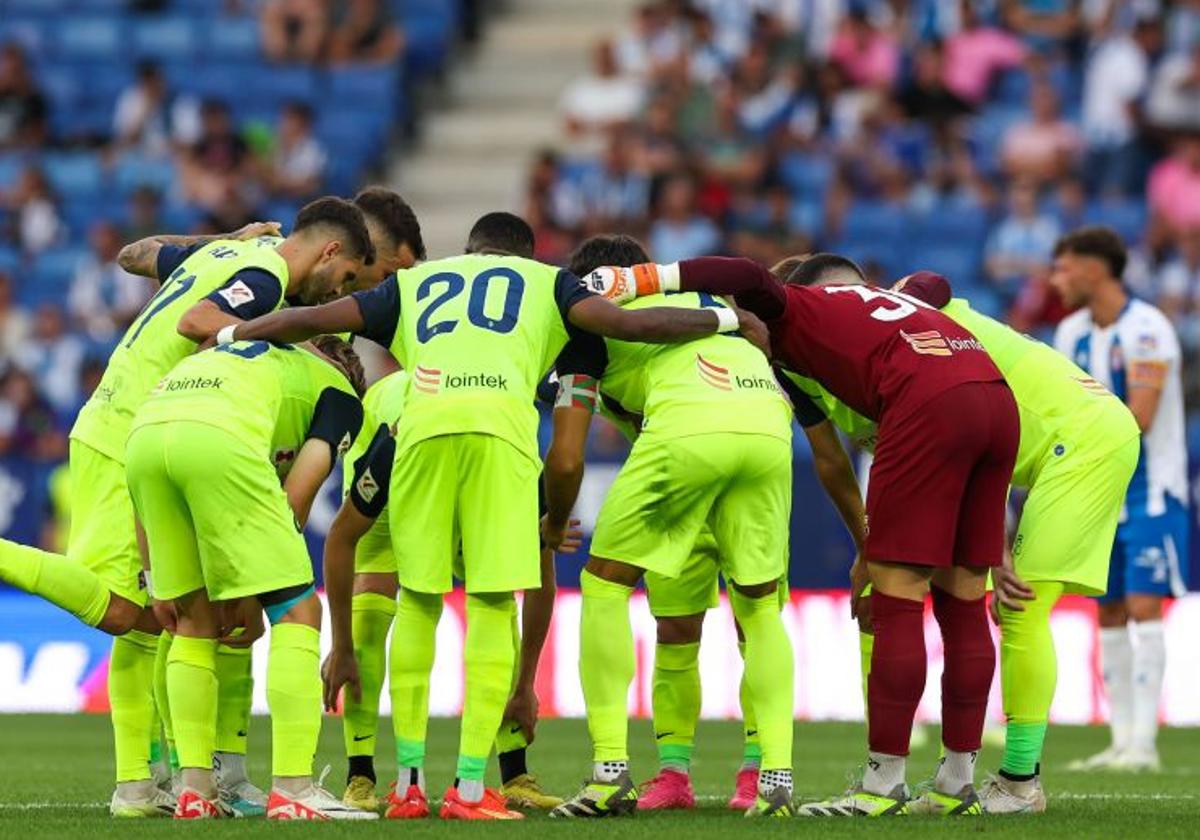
[[1149, 555], [103, 529], [215, 515], [1070, 517], [476, 488], [939, 482], [374, 554], [669, 488], [695, 590]]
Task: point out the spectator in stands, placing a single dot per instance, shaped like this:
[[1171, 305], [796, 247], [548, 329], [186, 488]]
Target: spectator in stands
[[977, 54], [104, 298], [1173, 192], [706, 63], [654, 41], [1021, 246], [144, 215], [729, 153], [1177, 284], [54, 358], [660, 149], [364, 31], [926, 97], [680, 231], [297, 163], [23, 110], [1116, 76], [614, 195], [217, 168], [1183, 26], [34, 211], [294, 30], [1174, 100], [28, 425], [142, 119], [868, 55], [602, 100], [1047, 146], [764, 95], [1043, 23], [14, 322]]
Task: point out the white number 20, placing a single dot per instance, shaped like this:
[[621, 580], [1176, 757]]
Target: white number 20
[[905, 305]]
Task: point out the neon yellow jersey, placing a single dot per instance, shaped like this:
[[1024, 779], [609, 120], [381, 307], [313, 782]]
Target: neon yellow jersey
[[476, 334], [382, 404], [272, 397], [861, 431], [719, 383], [152, 345], [1058, 402]]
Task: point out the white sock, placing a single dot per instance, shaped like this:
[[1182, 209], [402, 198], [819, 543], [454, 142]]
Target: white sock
[[607, 771], [1116, 663], [408, 776], [955, 772], [1149, 663], [470, 790], [230, 768], [883, 773], [768, 780], [292, 785]]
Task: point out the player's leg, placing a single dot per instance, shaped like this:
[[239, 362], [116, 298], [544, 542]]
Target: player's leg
[[414, 639], [675, 701], [1116, 659], [162, 702], [745, 788], [235, 695]]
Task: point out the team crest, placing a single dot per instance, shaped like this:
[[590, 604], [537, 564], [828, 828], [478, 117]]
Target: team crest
[[367, 486], [344, 445], [237, 294]]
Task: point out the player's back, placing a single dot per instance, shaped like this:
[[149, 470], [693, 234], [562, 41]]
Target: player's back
[[263, 394], [874, 349], [476, 334], [720, 383], [859, 429], [152, 345]]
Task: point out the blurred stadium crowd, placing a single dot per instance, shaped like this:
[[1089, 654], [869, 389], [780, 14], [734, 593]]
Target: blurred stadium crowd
[[121, 118]]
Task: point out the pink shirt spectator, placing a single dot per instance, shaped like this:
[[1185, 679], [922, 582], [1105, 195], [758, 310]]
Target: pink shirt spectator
[[1040, 149], [874, 62], [974, 56], [1174, 193]]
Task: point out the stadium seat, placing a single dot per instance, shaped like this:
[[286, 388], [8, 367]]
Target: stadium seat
[[10, 260], [277, 84], [1126, 216], [806, 175], [85, 38], [369, 85], [164, 36], [56, 267], [133, 171], [29, 33], [34, 7], [959, 264], [874, 220], [74, 173], [231, 37], [951, 222]]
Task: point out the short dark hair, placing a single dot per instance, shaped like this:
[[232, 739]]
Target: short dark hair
[[301, 109], [341, 353], [808, 269], [606, 249], [500, 231], [394, 215], [343, 215], [1097, 241]]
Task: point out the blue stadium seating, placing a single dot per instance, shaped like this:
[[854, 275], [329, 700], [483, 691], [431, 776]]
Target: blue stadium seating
[[1127, 217], [133, 171], [84, 38], [10, 260], [231, 37], [74, 174], [164, 37], [806, 175]]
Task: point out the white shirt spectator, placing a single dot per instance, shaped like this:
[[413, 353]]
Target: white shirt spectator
[[103, 295], [593, 100], [1174, 100], [55, 365], [38, 225], [1116, 77]]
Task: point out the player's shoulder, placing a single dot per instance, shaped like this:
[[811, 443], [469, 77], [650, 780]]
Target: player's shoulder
[[1075, 324], [1141, 315]]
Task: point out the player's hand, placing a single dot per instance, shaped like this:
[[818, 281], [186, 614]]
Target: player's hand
[[860, 578], [754, 330], [1010, 590], [621, 285], [572, 538], [243, 624], [164, 611], [255, 230], [522, 709], [340, 669], [553, 536]]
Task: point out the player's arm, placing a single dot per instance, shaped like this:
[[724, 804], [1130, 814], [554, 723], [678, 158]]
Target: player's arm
[[537, 610], [336, 420], [373, 314], [754, 288], [248, 294], [927, 287], [157, 256], [1148, 364]]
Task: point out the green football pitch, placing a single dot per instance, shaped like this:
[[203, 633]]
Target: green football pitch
[[55, 781]]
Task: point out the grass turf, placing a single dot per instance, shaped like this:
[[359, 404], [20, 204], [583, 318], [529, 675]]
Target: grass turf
[[55, 781]]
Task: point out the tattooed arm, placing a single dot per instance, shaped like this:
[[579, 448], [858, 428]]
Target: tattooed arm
[[141, 257]]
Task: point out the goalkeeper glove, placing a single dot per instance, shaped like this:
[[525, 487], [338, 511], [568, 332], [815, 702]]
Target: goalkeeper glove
[[621, 285]]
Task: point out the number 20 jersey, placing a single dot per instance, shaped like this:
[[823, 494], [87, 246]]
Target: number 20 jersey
[[876, 350], [152, 345]]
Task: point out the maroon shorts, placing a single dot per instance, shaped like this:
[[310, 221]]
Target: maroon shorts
[[939, 482]]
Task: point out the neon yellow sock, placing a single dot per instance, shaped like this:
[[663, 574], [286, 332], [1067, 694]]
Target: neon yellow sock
[[1028, 677], [235, 694], [370, 619], [294, 697], [192, 687], [675, 697], [769, 674], [414, 642], [57, 578], [488, 653], [606, 664], [511, 738], [751, 747], [131, 697], [866, 646], [161, 699]]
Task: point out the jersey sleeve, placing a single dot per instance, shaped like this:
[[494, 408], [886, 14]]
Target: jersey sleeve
[[249, 293], [380, 308], [578, 369], [568, 291], [808, 414], [927, 287], [170, 257], [1151, 351], [373, 474], [754, 288], [336, 420]]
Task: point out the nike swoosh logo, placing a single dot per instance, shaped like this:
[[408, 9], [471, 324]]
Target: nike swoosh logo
[[358, 738], [751, 733], [658, 736], [515, 730], [241, 733]]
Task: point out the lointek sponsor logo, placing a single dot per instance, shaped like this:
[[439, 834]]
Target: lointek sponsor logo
[[432, 380], [191, 384], [720, 378]]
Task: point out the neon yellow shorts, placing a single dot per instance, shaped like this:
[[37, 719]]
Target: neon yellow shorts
[[476, 488], [738, 484], [215, 514], [103, 530], [1070, 518], [695, 590], [374, 552]]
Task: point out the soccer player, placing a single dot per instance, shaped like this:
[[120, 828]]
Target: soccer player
[[948, 434], [205, 458], [679, 603], [476, 334], [100, 580], [1079, 446], [714, 448], [1130, 348]]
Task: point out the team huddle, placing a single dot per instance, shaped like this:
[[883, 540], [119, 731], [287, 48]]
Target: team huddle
[[235, 392]]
